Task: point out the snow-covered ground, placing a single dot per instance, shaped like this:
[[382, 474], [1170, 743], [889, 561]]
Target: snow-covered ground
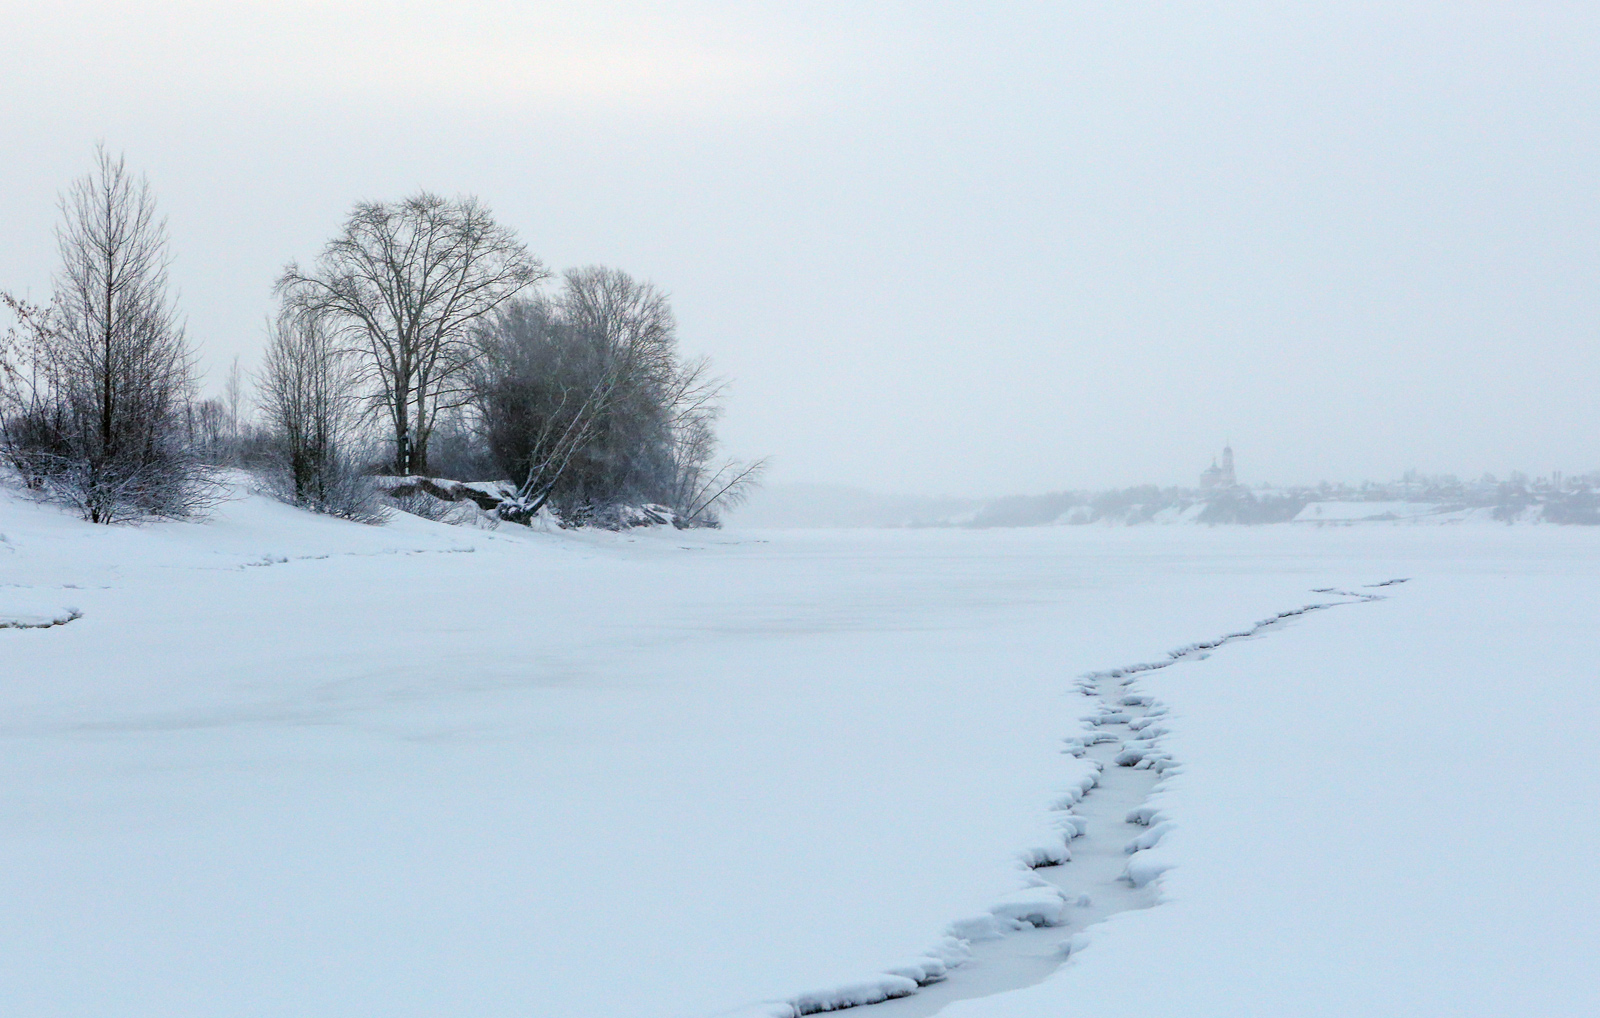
[[275, 764], [1356, 512], [1388, 809]]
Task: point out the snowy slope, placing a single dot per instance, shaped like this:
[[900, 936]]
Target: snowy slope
[[283, 765], [1409, 512]]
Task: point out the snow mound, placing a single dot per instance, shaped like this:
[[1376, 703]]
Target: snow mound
[[870, 991], [1033, 906], [26, 607], [60, 617], [1145, 867]]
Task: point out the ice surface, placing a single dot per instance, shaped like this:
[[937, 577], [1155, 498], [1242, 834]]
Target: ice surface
[[284, 765], [1326, 843]]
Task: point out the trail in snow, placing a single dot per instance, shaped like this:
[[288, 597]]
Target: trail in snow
[[1108, 871]]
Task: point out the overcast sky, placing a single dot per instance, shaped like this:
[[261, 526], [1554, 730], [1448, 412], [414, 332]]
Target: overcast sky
[[941, 248]]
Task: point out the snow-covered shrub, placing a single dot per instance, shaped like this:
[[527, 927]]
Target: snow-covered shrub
[[340, 489]]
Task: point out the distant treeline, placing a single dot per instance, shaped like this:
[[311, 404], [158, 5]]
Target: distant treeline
[[421, 341]]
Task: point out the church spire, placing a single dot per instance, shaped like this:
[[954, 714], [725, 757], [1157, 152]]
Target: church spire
[[1220, 475]]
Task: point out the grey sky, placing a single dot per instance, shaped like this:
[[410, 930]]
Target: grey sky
[[983, 248]]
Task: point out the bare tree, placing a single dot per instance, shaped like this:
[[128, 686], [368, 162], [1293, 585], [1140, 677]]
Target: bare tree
[[632, 319], [630, 328], [657, 439], [233, 398], [208, 430], [540, 392], [404, 282], [703, 493], [30, 418], [583, 401], [16, 341], [102, 423], [698, 490], [307, 393]]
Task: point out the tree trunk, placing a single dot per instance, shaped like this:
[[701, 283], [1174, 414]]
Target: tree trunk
[[402, 440]]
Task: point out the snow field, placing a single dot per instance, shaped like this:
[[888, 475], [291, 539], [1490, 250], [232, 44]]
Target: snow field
[[284, 765], [1322, 850], [1031, 933]]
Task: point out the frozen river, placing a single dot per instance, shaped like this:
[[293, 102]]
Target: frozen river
[[286, 766]]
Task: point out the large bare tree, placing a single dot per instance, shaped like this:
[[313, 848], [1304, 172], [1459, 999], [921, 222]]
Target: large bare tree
[[540, 391], [583, 401], [629, 327], [404, 282], [101, 420]]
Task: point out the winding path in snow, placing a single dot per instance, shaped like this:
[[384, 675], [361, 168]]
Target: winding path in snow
[[1115, 824]]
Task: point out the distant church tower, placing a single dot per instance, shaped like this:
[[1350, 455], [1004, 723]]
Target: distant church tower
[[1214, 476]]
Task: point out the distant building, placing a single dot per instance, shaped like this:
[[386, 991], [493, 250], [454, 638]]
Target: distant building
[[1215, 477]]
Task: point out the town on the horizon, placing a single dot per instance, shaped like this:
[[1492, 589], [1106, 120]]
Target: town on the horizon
[[1219, 497]]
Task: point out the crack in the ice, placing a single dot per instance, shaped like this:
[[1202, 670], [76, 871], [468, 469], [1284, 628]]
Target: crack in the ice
[[41, 621], [278, 560], [1139, 713]]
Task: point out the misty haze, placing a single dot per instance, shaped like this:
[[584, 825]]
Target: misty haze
[[988, 511]]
